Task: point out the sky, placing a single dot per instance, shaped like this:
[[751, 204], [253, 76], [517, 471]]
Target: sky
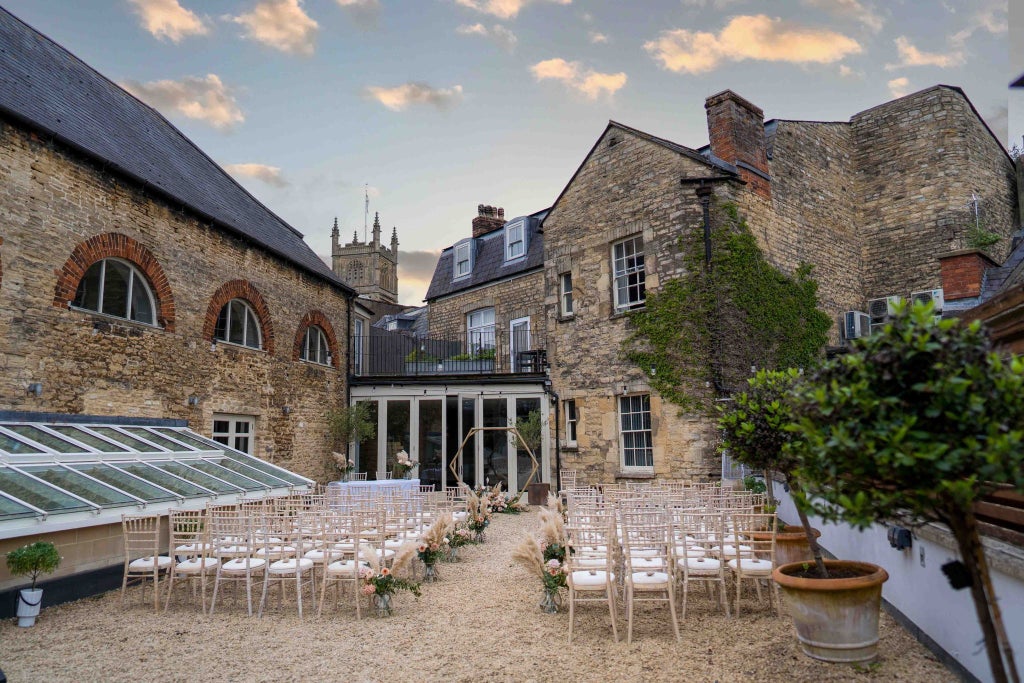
[[432, 107]]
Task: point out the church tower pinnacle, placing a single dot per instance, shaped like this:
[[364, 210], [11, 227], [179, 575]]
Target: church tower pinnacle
[[376, 229]]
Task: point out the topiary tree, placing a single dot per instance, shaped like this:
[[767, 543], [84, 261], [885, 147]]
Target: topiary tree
[[349, 423], [756, 432], [33, 560], [917, 424]]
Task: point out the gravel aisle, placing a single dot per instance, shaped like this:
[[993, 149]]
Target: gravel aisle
[[480, 623]]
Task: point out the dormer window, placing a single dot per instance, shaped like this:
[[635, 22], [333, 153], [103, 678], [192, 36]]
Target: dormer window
[[463, 265], [515, 240]]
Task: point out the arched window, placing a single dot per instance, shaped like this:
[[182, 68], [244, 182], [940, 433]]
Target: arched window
[[115, 287], [314, 346], [237, 324]]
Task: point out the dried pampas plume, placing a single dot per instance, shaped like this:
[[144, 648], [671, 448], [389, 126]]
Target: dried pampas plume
[[529, 554]]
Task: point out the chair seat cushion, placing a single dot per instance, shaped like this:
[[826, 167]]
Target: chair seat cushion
[[143, 563], [192, 547], [584, 579], [394, 543], [649, 579], [345, 567], [690, 551], [241, 564], [459, 516], [590, 562], [195, 566], [644, 552], [752, 566], [275, 551], [234, 549], [643, 564], [290, 566], [696, 565], [729, 550], [386, 553]]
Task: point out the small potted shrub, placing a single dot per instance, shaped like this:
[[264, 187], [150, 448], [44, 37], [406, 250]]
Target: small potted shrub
[[32, 560]]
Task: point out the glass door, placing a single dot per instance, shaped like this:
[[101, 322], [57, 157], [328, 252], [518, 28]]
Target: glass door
[[530, 422], [366, 450], [430, 431], [495, 443], [467, 420], [518, 341]]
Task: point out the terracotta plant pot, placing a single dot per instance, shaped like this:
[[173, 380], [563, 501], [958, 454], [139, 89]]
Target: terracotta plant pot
[[790, 545], [836, 619]]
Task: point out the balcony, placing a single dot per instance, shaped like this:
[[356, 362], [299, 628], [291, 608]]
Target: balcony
[[385, 353]]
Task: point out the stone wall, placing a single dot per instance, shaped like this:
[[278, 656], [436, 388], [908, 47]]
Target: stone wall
[[53, 202]]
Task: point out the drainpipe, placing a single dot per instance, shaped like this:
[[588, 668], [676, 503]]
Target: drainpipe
[[558, 444], [704, 192]]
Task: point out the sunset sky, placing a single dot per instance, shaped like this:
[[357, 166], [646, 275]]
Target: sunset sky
[[440, 105]]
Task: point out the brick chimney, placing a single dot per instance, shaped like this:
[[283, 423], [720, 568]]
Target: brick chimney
[[963, 273], [736, 132], [489, 219]]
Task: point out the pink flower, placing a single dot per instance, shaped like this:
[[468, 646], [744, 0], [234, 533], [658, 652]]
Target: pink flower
[[421, 548], [368, 589], [384, 571], [553, 564], [433, 546], [365, 573]]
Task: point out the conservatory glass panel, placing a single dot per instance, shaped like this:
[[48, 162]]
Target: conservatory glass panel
[[252, 473], [227, 475], [46, 439], [161, 478], [88, 439], [79, 485], [258, 464], [133, 444], [196, 477], [117, 478], [36, 493], [187, 438], [11, 445], [11, 510], [156, 438]]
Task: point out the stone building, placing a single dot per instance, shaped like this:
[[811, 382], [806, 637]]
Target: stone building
[[368, 267], [870, 203], [139, 279]]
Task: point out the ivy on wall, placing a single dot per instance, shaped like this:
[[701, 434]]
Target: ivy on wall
[[699, 335]]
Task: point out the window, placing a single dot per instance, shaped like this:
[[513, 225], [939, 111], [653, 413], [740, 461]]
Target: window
[[636, 443], [463, 259], [571, 419], [480, 329], [515, 240], [628, 267], [358, 334], [235, 431], [314, 346], [115, 287], [565, 294], [237, 324]]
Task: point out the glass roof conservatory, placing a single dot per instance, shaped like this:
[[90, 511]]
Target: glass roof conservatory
[[59, 475]]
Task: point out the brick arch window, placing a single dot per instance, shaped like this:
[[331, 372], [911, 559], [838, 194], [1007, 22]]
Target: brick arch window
[[314, 328], [239, 307], [118, 248]]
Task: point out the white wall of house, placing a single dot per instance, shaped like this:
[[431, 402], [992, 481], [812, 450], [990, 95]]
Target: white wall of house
[[919, 590]]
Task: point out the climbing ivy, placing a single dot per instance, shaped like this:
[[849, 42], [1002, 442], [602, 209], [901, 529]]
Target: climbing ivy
[[699, 335]]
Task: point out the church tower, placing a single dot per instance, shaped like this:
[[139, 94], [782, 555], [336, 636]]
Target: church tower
[[370, 268]]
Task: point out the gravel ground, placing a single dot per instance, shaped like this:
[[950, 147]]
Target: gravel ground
[[480, 623]]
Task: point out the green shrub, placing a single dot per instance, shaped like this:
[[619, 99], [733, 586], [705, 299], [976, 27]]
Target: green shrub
[[33, 560]]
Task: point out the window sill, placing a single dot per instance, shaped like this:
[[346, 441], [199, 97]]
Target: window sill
[[113, 319], [635, 474], [310, 363], [233, 345], [566, 318], [571, 447], [624, 313]]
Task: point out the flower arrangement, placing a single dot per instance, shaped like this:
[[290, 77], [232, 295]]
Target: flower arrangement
[[478, 516], [555, 504], [403, 464], [434, 543], [343, 463], [459, 536], [551, 572], [380, 582], [552, 534]]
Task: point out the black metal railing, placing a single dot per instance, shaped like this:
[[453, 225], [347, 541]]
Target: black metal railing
[[391, 353]]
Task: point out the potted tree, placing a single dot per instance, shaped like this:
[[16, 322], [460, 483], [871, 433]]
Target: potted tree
[[835, 604], [916, 425], [32, 560], [347, 424]]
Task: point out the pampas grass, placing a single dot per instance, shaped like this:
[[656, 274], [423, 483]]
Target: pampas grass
[[552, 527], [442, 526], [529, 554]]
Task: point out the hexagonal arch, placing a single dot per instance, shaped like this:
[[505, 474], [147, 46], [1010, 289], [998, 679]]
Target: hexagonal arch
[[115, 245], [320, 320], [245, 290]]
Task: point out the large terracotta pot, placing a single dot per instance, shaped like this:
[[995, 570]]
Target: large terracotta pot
[[790, 545], [836, 619]]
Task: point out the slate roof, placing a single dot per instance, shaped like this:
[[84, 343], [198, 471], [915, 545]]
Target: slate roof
[[489, 262], [696, 155], [47, 88]]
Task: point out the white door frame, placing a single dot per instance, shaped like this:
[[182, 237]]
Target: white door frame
[[512, 350]]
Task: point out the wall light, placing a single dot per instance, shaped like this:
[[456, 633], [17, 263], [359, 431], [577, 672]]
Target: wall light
[[287, 410], [193, 401], [36, 388]]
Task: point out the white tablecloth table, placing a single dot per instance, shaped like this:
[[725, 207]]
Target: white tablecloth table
[[376, 485]]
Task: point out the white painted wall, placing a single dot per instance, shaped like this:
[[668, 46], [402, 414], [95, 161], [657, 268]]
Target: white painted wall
[[919, 589]]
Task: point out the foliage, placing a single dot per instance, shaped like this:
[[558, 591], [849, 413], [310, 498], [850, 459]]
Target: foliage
[[460, 536], [531, 555], [33, 560], [918, 424], [350, 423], [420, 356], [384, 582], [978, 237], [529, 427], [710, 326], [755, 425], [461, 356], [753, 484], [486, 354]]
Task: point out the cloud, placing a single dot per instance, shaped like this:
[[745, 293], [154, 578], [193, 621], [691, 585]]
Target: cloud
[[717, 4], [847, 72], [363, 12], [597, 37], [998, 120], [401, 96], [415, 270], [503, 9], [498, 34], [853, 9], [204, 99], [588, 82], [749, 37], [911, 56], [898, 87], [271, 175], [991, 18], [280, 24], [168, 19]]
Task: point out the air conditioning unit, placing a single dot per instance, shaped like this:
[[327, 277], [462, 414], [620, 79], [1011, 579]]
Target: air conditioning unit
[[881, 308], [933, 295], [856, 325]]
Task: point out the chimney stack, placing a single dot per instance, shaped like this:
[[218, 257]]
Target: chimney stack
[[489, 219], [963, 273], [736, 132]]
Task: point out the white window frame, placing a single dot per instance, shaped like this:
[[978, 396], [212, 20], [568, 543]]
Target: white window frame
[[480, 335], [628, 426], [513, 347], [515, 240], [462, 253], [359, 327], [135, 276], [625, 268], [226, 339], [234, 432], [310, 352], [572, 420], [565, 301]]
